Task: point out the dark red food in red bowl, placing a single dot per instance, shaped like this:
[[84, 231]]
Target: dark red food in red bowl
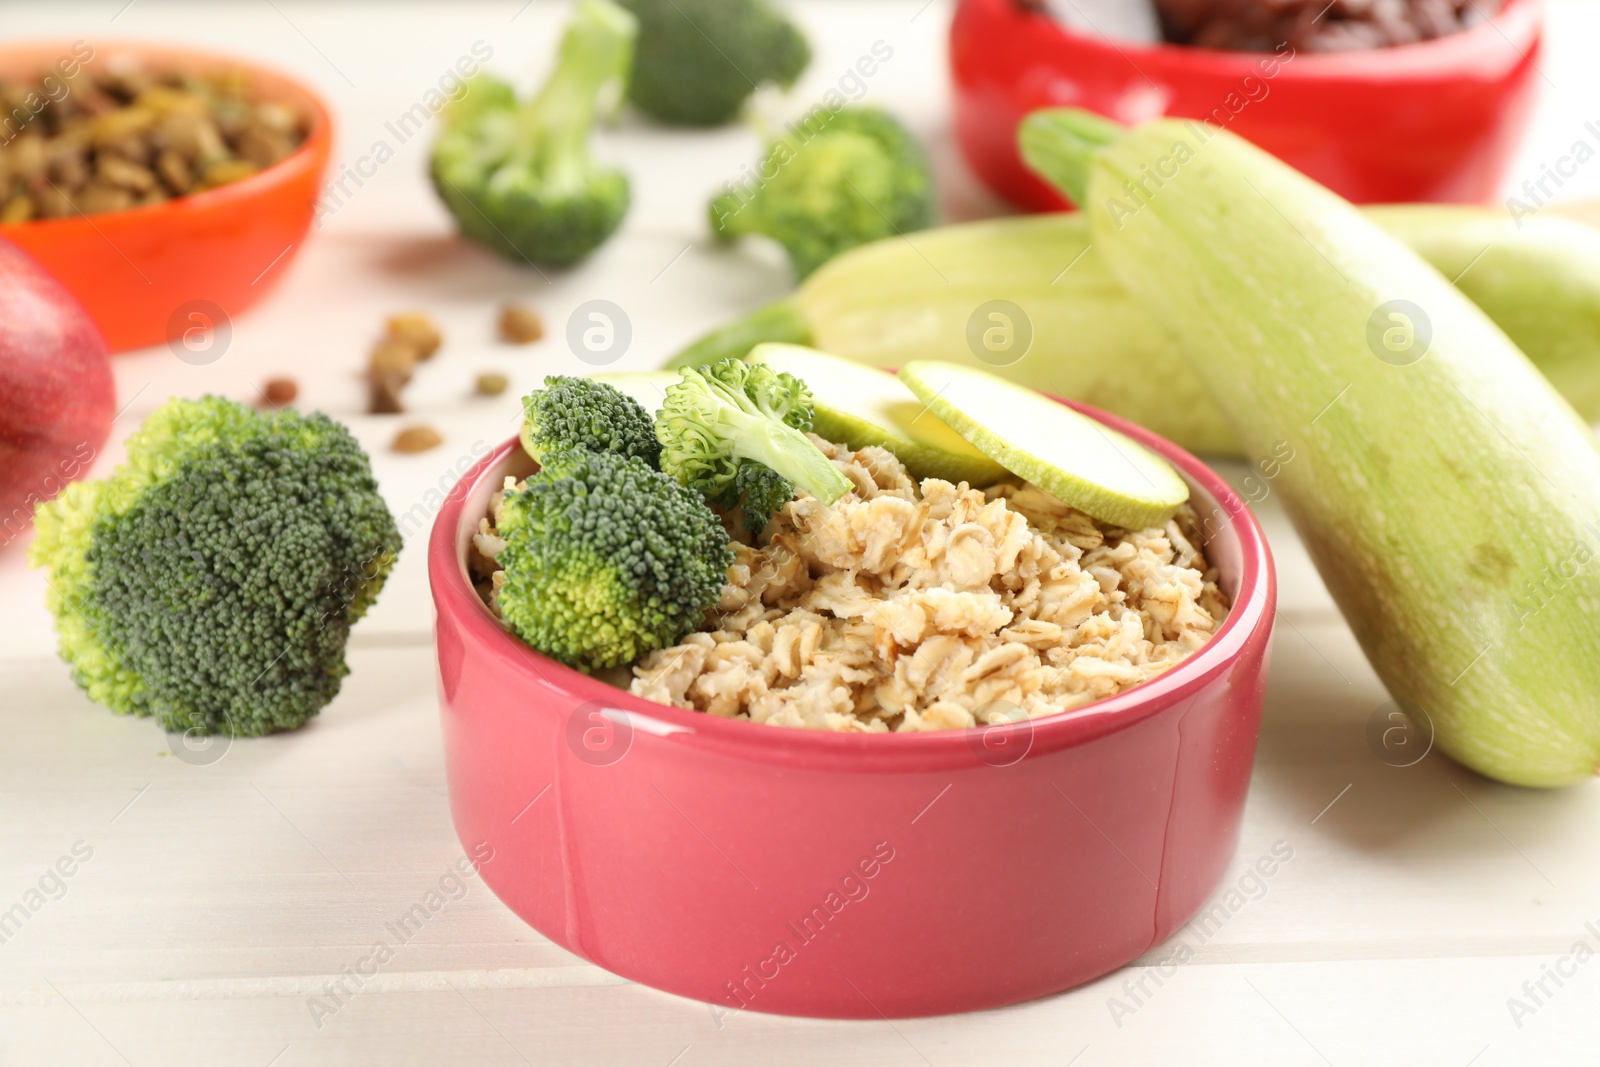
[[849, 875], [1434, 121]]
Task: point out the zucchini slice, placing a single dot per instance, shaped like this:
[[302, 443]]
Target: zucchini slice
[[1079, 461], [857, 405]]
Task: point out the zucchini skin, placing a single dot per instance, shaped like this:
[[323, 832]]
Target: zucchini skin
[[1539, 282], [1451, 504], [890, 302], [781, 321]]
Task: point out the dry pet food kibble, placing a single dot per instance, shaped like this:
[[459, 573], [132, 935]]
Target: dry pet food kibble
[[279, 392], [125, 137], [417, 439], [520, 325], [417, 330], [408, 339], [388, 371]]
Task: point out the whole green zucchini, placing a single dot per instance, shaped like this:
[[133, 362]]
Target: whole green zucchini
[[1447, 494], [893, 301]]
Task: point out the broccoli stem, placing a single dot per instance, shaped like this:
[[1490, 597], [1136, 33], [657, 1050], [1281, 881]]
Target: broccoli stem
[[553, 128], [757, 436]]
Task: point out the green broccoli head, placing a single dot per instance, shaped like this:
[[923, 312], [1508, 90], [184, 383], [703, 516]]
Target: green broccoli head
[[583, 414], [838, 180], [699, 60], [719, 417], [607, 559], [212, 579], [518, 178], [761, 492], [483, 94]]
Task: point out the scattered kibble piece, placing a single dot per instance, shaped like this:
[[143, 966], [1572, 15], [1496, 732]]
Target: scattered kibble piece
[[491, 384], [417, 330], [520, 325], [126, 136], [384, 394], [394, 356], [280, 392], [388, 370], [408, 339], [417, 439]]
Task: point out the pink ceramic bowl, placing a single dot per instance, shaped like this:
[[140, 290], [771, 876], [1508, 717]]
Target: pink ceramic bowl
[[850, 876]]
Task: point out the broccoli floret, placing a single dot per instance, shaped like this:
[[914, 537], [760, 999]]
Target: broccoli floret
[[699, 60], [837, 181], [581, 413], [607, 559], [519, 178], [212, 579], [762, 491], [718, 418], [483, 93]]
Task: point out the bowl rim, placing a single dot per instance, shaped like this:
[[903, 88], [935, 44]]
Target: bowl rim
[[1253, 609], [1491, 41], [308, 155]]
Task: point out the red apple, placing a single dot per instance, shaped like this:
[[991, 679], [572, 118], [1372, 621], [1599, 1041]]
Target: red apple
[[56, 394]]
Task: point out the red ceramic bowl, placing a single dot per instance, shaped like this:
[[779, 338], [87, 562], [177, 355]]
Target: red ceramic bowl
[[850, 876], [146, 273], [1435, 121]]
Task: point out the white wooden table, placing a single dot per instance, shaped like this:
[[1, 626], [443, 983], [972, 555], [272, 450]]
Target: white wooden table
[[210, 900]]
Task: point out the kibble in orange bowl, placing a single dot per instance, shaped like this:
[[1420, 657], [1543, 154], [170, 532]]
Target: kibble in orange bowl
[[167, 189]]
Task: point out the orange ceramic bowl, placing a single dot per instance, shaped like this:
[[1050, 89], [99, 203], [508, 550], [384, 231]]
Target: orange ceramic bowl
[[155, 274]]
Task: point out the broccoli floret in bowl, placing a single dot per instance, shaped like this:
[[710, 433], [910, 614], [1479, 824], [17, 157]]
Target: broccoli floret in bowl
[[699, 60], [838, 180], [735, 432], [212, 579], [606, 559], [518, 177], [580, 413], [761, 492]]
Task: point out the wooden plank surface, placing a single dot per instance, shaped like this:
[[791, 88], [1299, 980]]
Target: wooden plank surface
[[214, 894]]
